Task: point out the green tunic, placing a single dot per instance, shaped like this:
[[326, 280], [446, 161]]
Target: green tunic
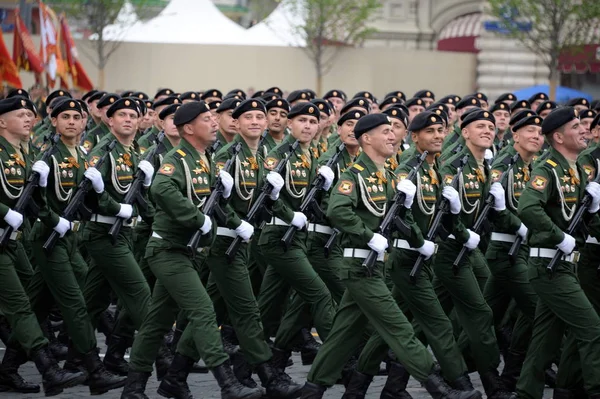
[[93, 137]]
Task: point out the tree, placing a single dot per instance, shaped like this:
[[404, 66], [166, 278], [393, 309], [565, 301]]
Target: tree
[[549, 28], [325, 27]]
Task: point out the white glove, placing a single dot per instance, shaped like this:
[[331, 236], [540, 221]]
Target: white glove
[[62, 227], [227, 182], [451, 195], [567, 245], [207, 226], [488, 155], [327, 173], [499, 196], [148, 170], [300, 220], [522, 231], [276, 181], [592, 189], [407, 187], [428, 249], [43, 170], [473, 240], [14, 219], [245, 231], [93, 175], [125, 212], [378, 243]]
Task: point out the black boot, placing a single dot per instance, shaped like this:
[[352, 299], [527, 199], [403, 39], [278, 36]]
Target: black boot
[[280, 358], [174, 384], [242, 370], [312, 391], [494, 386], [395, 386], [438, 389], [278, 384], [231, 388], [74, 363], [106, 324], [513, 363], [5, 330], [358, 386], [59, 350], [560, 393], [309, 350], [227, 336], [347, 370], [10, 379], [114, 360], [176, 337], [100, 380], [164, 358], [228, 333], [54, 379], [197, 368], [463, 383], [135, 386]]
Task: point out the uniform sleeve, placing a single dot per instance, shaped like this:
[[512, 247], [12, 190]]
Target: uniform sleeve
[[456, 225], [415, 238], [341, 214], [507, 219], [280, 208], [106, 203]]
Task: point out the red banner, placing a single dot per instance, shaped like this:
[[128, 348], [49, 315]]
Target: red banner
[[24, 54], [8, 69], [80, 78]]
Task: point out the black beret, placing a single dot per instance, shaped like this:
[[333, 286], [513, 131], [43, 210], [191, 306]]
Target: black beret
[[309, 109], [356, 102], [230, 103], [214, 104], [107, 100], [251, 104], [237, 92], [414, 101], [468, 101], [139, 95], [438, 106], [449, 99], [467, 112], [401, 107], [257, 94], [322, 105], [547, 105], [443, 114], [481, 96], [68, 104], [15, 103], [268, 96], [397, 113], [521, 104], [479, 115], [84, 106], [17, 93], [298, 95], [369, 122], [390, 100], [189, 111], [538, 96], [57, 93], [167, 101], [278, 103], [396, 93], [354, 115], [335, 93], [527, 121], [595, 105], [149, 104], [595, 122], [189, 95], [140, 104], [524, 113], [123, 103], [365, 94], [424, 120], [211, 93], [88, 94], [274, 89], [558, 118], [164, 92], [424, 94], [56, 100], [96, 96], [311, 93], [506, 97], [234, 96], [126, 93], [578, 101], [499, 107], [169, 110], [586, 114]]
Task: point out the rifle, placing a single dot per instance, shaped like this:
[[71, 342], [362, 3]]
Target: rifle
[[392, 218], [436, 228], [134, 194], [482, 218], [24, 201], [259, 205], [76, 205], [330, 242], [212, 203], [215, 147], [310, 207]]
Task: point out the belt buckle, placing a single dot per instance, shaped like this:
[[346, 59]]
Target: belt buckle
[[435, 248], [75, 226], [575, 256], [18, 235]]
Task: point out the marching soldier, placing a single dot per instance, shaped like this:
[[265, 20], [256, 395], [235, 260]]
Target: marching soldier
[[149, 137], [227, 127], [399, 127], [501, 113], [277, 115], [94, 136]]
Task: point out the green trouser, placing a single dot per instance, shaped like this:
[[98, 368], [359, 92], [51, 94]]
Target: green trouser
[[287, 269], [113, 267], [257, 265], [367, 300], [474, 314], [14, 302], [235, 290], [421, 301], [55, 282], [561, 304], [24, 265], [178, 288]]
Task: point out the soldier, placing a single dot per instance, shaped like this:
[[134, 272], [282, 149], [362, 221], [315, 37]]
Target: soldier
[[415, 106], [45, 123], [399, 127], [211, 95], [297, 97], [389, 102], [501, 113], [190, 96], [579, 103], [95, 114], [178, 197], [319, 145], [483, 100], [277, 116], [427, 96], [337, 98], [147, 120], [93, 137], [546, 107], [163, 93], [536, 99], [27, 339], [149, 137], [507, 98], [450, 103], [586, 117], [227, 127], [546, 206], [357, 205], [455, 137]]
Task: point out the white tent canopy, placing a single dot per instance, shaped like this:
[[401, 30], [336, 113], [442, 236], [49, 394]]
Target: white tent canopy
[[280, 27], [127, 17]]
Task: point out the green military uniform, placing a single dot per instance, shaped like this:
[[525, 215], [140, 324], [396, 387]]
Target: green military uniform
[[268, 145], [94, 136], [148, 139], [546, 206]]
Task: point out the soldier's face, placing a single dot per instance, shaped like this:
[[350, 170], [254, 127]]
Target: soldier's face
[[484, 104], [529, 138], [277, 119], [96, 113], [572, 138], [502, 119], [227, 123], [429, 139], [124, 122], [346, 132], [251, 124], [399, 131], [375, 108], [204, 128], [581, 108], [480, 133], [103, 116], [169, 127], [338, 104], [324, 122], [427, 101], [545, 113], [304, 128], [535, 104], [381, 140], [596, 133], [18, 122], [414, 110], [586, 123], [451, 113], [68, 124]]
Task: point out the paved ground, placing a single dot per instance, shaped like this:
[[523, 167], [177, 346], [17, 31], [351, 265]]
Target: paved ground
[[204, 385]]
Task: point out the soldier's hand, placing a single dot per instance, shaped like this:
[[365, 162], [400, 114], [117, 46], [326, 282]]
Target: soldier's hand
[[593, 189], [148, 170], [245, 231], [276, 181], [499, 196], [409, 189], [43, 170], [227, 182], [451, 195], [207, 226], [14, 219], [328, 175], [94, 175], [378, 243], [473, 240], [567, 245], [300, 220], [427, 250], [522, 231], [62, 226], [125, 212]]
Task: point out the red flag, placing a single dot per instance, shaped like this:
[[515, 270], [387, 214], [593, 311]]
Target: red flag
[[8, 69], [49, 51], [24, 54], [74, 67]]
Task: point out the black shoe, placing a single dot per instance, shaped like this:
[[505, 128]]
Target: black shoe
[[513, 363], [280, 358], [59, 350], [310, 347], [106, 324], [463, 383], [347, 370], [278, 384], [438, 389], [197, 368], [395, 386], [100, 380], [10, 379], [494, 386], [114, 360], [164, 358], [54, 379], [74, 363], [228, 334], [312, 391], [135, 386], [357, 386], [231, 388], [174, 384], [242, 370]]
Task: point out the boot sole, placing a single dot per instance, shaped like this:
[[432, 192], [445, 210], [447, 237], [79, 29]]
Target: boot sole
[[165, 394], [68, 384], [291, 395], [5, 388], [105, 389]]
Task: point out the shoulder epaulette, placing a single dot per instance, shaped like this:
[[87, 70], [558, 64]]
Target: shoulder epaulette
[[357, 167], [180, 153], [551, 163]]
